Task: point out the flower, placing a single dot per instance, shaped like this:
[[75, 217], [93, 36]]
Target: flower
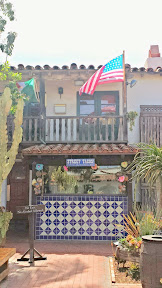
[[95, 167], [65, 168], [129, 237], [34, 181], [124, 164], [121, 179]]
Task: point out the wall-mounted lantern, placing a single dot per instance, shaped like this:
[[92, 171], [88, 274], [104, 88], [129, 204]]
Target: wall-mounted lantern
[[132, 83]]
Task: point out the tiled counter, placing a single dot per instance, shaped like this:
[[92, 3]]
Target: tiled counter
[[90, 217]]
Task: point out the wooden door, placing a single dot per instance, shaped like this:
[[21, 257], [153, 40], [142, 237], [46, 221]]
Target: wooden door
[[19, 187]]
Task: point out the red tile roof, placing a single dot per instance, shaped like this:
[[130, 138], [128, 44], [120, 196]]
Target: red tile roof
[[74, 66], [80, 149]]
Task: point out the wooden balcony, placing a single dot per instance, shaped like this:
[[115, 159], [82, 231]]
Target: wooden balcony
[[72, 129], [151, 124]]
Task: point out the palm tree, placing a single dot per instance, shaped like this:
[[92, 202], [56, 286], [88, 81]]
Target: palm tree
[[147, 164]]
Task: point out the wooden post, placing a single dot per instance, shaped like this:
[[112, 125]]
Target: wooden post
[[31, 237], [30, 187], [130, 196], [124, 86], [125, 128], [42, 108]]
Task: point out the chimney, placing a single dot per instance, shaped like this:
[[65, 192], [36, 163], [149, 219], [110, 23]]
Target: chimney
[[154, 60], [154, 51]]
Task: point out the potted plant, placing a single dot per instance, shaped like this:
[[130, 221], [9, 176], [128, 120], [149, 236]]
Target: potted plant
[[131, 116], [5, 218]]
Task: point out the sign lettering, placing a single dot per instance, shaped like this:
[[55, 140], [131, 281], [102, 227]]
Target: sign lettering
[[80, 162], [30, 209]]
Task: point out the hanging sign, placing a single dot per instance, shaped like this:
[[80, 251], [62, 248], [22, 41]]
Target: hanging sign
[[80, 162], [30, 209]]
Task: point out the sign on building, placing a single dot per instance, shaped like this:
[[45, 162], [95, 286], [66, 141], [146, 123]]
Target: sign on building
[[80, 162]]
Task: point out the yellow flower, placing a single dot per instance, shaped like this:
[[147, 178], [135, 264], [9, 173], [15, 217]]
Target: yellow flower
[[129, 237]]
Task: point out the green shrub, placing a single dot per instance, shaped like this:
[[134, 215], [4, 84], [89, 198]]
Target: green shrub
[[134, 272], [5, 218]]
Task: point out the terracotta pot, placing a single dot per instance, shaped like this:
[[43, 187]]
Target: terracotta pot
[[151, 261]]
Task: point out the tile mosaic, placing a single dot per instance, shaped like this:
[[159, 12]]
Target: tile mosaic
[[81, 217]]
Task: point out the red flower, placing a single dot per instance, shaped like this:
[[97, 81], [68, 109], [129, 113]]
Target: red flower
[[121, 179]]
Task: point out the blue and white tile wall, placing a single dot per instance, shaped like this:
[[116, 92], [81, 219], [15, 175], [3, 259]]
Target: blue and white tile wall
[[81, 217]]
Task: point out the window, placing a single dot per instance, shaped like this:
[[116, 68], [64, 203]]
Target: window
[[100, 103], [87, 105], [108, 105], [102, 180], [32, 109]]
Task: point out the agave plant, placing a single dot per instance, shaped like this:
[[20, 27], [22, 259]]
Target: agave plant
[[131, 225], [147, 164]]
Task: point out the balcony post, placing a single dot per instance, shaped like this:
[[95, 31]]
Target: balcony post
[[42, 108], [125, 128]]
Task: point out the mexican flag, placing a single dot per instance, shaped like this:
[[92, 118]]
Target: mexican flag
[[28, 88]]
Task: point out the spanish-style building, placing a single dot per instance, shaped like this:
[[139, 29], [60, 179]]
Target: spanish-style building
[[75, 148]]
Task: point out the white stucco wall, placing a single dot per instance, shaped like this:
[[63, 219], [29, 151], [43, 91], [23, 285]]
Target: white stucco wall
[[147, 91], [69, 96]]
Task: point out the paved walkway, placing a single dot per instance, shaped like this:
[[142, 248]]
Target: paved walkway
[[69, 264], [126, 286]]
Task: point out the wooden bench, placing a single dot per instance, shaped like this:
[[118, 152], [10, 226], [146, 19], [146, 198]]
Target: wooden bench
[[5, 254]]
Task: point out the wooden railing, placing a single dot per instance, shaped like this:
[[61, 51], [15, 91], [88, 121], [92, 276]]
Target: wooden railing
[[151, 124], [72, 129], [31, 129]]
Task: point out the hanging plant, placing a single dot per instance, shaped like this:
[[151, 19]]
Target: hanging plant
[[131, 116]]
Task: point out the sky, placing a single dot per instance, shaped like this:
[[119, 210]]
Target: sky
[[61, 32]]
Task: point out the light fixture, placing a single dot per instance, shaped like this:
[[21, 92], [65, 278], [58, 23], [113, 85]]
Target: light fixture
[[60, 91], [132, 83]]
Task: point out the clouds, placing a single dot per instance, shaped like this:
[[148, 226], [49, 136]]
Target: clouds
[[88, 32]]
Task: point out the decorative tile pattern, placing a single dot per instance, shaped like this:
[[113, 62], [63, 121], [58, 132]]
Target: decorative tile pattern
[[92, 217]]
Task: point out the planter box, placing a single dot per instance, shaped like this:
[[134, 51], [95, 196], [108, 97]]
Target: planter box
[[124, 254]]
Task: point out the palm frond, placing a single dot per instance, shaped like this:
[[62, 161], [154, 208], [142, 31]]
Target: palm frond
[[147, 163]]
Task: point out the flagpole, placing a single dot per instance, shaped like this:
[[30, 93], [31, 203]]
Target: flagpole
[[125, 134], [124, 88]]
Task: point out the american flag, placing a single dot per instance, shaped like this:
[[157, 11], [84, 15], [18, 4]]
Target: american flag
[[111, 72]]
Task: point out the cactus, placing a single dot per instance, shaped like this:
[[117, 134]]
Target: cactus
[[8, 157]]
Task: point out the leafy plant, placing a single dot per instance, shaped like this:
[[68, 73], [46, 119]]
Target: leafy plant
[[149, 224], [134, 272], [131, 243], [5, 218], [8, 156], [12, 77], [147, 164], [131, 225], [64, 181], [131, 116], [6, 14]]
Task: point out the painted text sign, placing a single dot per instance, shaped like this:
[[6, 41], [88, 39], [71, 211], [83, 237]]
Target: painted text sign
[[30, 208], [80, 162]]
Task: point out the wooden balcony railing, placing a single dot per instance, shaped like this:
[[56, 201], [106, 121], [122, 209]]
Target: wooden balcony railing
[[72, 129]]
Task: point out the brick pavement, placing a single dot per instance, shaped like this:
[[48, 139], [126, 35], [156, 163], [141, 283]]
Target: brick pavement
[[126, 286], [69, 264]]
